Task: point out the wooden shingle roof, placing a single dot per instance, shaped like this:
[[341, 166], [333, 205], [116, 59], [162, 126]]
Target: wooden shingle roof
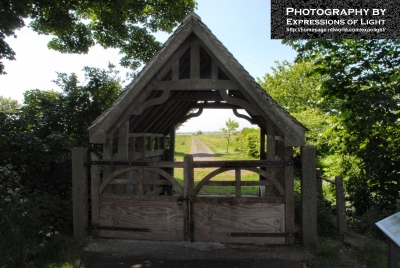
[[193, 70]]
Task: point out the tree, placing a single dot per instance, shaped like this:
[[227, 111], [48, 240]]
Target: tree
[[231, 127], [198, 132], [78, 25], [293, 87], [363, 90], [38, 138], [8, 105]]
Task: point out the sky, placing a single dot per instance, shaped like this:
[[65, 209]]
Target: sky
[[242, 26]]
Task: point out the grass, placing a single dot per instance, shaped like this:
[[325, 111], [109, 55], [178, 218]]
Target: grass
[[183, 144], [217, 143]]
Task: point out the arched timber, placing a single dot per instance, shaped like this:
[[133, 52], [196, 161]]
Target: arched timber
[[263, 173], [156, 170], [239, 102], [160, 100], [235, 112], [196, 114]]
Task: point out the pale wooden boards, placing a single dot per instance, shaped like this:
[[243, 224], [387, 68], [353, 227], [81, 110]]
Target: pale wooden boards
[[213, 222], [164, 218]]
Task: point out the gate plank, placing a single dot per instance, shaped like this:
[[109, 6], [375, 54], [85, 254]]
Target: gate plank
[[213, 222], [165, 219]]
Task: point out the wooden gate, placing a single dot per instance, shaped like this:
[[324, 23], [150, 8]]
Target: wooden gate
[[186, 215]]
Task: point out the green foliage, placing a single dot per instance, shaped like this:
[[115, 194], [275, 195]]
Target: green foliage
[[37, 140], [249, 142], [297, 89], [78, 25], [364, 95], [7, 105], [292, 86], [29, 232], [327, 255]]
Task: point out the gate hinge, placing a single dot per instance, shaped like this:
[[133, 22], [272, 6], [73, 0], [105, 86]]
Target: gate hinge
[[181, 199]]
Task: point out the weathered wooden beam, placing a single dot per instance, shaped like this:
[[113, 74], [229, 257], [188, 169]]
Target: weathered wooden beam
[[214, 69], [233, 183], [235, 112], [237, 200], [175, 70], [238, 188], [152, 102], [140, 181], [215, 105], [79, 192], [270, 153], [123, 143], [188, 177], [182, 108], [187, 117], [289, 195], [147, 154], [94, 186], [134, 135], [263, 156], [195, 84], [108, 155], [308, 195], [147, 90], [195, 60], [199, 96], [243, 163], [244, 104]]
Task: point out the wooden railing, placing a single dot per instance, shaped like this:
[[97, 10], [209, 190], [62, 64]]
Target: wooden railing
[[340, 200]]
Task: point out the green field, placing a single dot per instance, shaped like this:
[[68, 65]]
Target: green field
[[217, 143]]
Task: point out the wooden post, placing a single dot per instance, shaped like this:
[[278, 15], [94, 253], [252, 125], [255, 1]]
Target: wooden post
[[95, 184], [308, 195], [392, 258], [188, 184], [263, 156], [289, 195], [107, 170], [269, 189], [123, 140], [171, 150], [238, 189], [340, 206], [79, 192]]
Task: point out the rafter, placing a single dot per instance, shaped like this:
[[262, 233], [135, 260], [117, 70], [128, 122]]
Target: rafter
[[195, 84]]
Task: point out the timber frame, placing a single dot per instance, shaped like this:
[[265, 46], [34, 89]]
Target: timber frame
[[193, 71]]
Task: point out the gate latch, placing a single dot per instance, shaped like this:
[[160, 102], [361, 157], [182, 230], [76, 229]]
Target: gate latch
[[181, 199]]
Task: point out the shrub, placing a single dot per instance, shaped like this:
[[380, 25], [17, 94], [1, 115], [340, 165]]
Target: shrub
[[249, 142], [30, 223]]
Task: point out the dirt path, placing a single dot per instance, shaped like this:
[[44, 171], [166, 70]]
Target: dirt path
[[200, 151]]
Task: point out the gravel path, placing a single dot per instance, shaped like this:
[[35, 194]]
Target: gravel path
[[200, 151]]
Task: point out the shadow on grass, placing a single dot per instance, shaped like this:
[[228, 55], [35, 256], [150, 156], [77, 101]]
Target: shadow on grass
[[179, 154]]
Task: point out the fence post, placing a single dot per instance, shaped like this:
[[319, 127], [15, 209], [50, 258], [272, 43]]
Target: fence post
[[188, 181], [340, 206], [79, 192], [308, 195]]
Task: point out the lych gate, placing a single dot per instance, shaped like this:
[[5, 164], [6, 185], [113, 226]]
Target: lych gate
[[133, 190]]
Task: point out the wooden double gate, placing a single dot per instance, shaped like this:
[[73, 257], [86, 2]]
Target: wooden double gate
[[185, 215]]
